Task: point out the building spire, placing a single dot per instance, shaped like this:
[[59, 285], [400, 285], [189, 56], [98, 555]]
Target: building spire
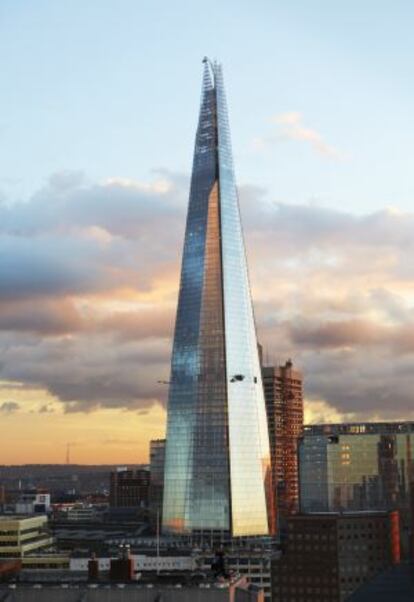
[[208, 75]]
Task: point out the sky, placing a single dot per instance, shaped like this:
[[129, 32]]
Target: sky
[[98, 109]]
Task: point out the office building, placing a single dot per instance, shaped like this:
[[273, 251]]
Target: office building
[[217, 462], [328, 556], [364, 466], [283, 389], [21, 536], [129, 488]]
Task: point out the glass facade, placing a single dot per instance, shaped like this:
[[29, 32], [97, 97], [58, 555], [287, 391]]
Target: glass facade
[[217, 467], [356, 467]]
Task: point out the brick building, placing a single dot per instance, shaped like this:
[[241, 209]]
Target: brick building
[[328, 556]]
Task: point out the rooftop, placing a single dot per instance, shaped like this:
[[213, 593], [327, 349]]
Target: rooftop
[[359, 428], [106, 592]]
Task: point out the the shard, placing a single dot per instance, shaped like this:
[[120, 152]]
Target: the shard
[[217, 466]]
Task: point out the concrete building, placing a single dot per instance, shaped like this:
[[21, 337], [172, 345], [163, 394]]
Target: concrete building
[[33, 501], [20, 536], [283, 389], [249, 558], [328, 556], [129, 488]]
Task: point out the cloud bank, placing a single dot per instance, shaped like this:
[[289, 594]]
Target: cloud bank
[[88, 287]]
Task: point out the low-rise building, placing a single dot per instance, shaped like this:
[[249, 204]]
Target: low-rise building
[[33, 501], [22, 535]]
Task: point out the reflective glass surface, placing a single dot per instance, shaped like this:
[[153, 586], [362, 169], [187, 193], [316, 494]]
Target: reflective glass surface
[[248, 433], [217, 450], [355, 472]]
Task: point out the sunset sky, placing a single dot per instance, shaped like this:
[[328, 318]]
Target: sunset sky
[[98, 110]]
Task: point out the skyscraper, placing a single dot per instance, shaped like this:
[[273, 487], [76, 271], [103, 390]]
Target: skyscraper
[[217, 463]]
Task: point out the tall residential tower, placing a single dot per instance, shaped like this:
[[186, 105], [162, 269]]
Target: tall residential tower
[[217, 462], [283, 389]]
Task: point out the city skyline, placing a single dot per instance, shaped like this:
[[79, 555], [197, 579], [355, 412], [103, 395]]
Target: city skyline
[[93, 190]]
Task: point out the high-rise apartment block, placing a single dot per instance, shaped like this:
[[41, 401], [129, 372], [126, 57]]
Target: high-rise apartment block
[[217, 461], [283, 389], [328, 556], [129, 488]]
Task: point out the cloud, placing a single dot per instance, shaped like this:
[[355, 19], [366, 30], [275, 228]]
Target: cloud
[[9, 407], [89, 276], [72, 239], [317, 411], [45, 409], [290, 126]]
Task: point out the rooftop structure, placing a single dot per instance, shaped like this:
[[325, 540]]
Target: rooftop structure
[[359, 428]]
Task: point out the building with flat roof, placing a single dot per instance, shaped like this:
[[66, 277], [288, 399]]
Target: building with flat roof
[[23, 535], [361, 466], [327, 556], [33, 501], [129, 488]]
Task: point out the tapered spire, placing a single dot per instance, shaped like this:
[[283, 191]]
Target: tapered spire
[[217, 467]]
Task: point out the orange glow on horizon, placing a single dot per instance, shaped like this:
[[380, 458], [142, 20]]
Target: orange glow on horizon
[[39, 430]]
